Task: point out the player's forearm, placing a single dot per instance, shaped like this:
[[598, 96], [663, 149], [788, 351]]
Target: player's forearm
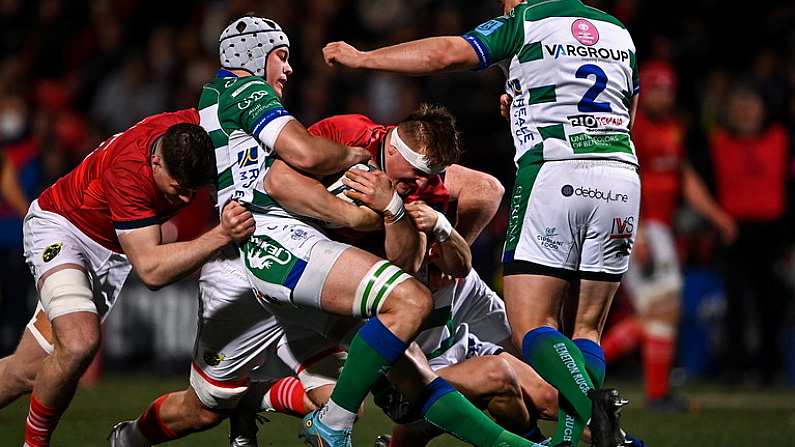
[[308, 197], [167, 263], [403, 245], [323, 157], [420, 57], [697, 196], [454, 256], [478, 196]]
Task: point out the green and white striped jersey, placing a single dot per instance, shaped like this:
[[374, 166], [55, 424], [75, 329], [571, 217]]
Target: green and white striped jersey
[[243, 116], [572, 73]]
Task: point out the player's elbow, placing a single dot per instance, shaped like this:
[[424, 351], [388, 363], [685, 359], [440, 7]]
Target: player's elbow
[[151, 278], [491, 188]]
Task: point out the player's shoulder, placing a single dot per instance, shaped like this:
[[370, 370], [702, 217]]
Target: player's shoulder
[[343, 123], [535, 10]]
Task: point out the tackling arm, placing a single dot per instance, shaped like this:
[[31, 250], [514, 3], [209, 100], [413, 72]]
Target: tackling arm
[[306, 196], [159, 264], [315, 155]]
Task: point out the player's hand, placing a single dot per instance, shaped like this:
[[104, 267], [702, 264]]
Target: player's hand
[[361, 155], [343, 54], [423, 216], [237, 222], [727, 228], [505, 105], [373, 189]]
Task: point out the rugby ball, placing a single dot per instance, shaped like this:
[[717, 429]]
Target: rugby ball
[[337, 188]]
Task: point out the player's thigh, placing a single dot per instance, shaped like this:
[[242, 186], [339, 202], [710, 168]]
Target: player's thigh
[[361, 284]]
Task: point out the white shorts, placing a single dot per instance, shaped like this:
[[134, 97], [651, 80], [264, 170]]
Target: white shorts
[[662, 276], [477, 305], [287, 261], [240, 340], [572, 216], [50, 240], [465, 345]]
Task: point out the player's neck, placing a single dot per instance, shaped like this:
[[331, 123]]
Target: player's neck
[[240, 73]]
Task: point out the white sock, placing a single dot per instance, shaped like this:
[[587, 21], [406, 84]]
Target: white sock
[[336, 417]]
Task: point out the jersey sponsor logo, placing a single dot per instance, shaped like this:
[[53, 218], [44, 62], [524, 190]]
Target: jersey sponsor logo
[[622, 227], [264, 253], [559, 50], [593, 193], [248, 157], [252, 98], [489, 27], [213, 358], [585, 32], [549, 239], [51, 251], [595, 121]]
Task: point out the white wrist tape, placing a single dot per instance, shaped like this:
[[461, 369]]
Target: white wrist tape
[[395, 210], [443, 228]]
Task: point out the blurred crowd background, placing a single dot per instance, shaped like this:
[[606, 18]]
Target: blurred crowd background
[[74, 72]]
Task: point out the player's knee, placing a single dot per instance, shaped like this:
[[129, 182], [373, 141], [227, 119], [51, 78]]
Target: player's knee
[[411, 299], [76, 350], [545, 399], [19, 377], [499, 373]]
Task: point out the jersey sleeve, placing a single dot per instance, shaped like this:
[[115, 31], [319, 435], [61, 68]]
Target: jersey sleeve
[[252, 105], [130, 199], [499, 38]]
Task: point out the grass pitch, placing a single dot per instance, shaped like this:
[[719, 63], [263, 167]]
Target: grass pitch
[[722, 417]]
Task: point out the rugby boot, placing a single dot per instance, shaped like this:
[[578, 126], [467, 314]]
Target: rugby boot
[[115, 437], [317, 434], [605, 421], [243, 428], [631, 441], [383, 441]]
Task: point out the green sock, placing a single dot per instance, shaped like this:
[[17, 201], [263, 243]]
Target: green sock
[[373, 350], [559, 361], [456, 415]]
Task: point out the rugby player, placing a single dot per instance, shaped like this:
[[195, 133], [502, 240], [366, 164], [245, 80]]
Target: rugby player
[[573, 79], [290, 261], [84, 235]]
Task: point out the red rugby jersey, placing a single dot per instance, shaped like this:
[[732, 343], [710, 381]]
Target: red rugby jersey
[[359, 130], [113, 188], [659, 146]]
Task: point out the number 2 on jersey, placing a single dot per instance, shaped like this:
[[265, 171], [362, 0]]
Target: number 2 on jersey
[[588, 102]]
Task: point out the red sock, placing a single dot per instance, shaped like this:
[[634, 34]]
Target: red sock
[[152, 427], [622, 338], [287, 396], [40, 423], [658, 354]]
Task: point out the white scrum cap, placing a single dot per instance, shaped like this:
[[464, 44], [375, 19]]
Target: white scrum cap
[[247, 42]]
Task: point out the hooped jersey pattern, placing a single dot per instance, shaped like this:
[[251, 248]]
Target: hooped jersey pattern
[[244, 117], [571, 71]]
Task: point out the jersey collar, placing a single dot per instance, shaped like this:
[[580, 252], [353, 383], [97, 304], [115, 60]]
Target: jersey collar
[[225, 74]]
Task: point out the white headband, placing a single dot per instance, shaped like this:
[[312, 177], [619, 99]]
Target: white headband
[[414, 158]]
